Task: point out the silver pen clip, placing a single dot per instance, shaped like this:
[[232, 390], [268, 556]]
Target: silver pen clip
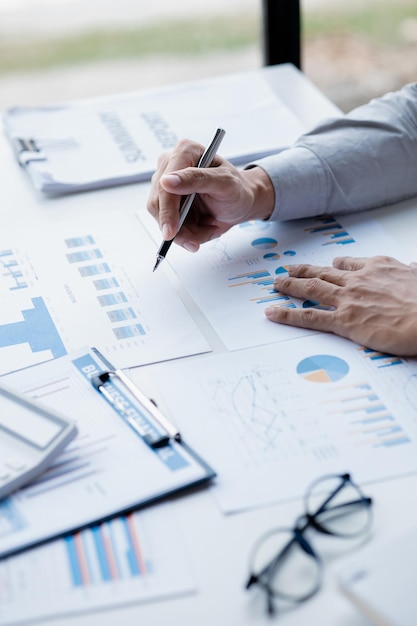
[[142, 415]]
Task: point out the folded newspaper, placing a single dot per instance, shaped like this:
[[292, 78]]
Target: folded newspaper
[[87, 144]]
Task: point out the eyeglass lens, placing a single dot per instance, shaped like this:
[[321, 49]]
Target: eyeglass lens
[[283, 560]]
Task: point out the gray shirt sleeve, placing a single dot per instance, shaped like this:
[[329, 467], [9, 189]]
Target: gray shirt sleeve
[[362, 160]]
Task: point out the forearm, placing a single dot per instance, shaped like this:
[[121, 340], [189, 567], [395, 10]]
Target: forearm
[[365, 159]]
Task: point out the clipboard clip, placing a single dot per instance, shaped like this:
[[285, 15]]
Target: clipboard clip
[[145, 415], [27, 150]]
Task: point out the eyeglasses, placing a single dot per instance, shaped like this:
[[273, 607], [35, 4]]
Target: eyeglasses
[[283, 562]]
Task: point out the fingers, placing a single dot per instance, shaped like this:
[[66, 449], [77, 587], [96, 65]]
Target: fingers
[[193, 179], [352, 264], [309, 289], [329, 274], [349, 263], [163, 204], [315, 319]]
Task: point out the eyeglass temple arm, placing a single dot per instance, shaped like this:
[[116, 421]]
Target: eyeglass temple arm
[[365, 500]]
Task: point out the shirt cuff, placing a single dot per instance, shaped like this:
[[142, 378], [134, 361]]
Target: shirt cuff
[[299, 183]]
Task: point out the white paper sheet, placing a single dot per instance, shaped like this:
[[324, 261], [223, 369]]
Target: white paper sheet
[[272, 418], [107, 141], [231, 278], [105, 470], [89, 281], [135, 558]]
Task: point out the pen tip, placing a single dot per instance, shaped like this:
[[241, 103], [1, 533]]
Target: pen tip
[[156, 264]]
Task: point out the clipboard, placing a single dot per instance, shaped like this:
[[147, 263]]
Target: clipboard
[[114, 140], [124, 458]]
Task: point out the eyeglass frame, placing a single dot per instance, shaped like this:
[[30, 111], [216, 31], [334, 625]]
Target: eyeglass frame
[[302, 524]]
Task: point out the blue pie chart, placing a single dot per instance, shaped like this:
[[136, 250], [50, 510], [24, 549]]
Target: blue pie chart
[[264, 243], [322, 368]]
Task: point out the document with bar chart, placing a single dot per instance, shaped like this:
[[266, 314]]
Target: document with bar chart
[[135, 558], [106, 470], [274, 417], [88, 283], [232, 278]]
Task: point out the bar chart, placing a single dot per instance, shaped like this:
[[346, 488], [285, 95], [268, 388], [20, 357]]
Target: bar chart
[[274, 416], [240, 268], [83, 272], [135, 558]]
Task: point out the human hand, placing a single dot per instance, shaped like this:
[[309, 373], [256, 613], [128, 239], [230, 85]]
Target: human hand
[[225, 196], [373, 301]]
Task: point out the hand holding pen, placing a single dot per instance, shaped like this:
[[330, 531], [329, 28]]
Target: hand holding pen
[[226, 195], [205, 161]]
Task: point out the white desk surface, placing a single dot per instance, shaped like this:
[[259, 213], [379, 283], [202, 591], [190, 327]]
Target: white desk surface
[[218, 545]]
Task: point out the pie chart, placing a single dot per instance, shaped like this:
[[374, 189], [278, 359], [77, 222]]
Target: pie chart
[[264, 243], [322, 368]]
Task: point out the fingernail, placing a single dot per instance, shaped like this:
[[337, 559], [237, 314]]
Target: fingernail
[[165, 232], [269, 311], [172, 180], [190, 246]]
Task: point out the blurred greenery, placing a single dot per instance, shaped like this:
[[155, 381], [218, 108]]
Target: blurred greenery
[[196, 36], [191, 37], [380, 23]]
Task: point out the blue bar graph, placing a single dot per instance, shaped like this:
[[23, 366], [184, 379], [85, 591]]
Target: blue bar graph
[[105, 283], [12, 271], [381, 359], [332, 230], [369, 420], [101, 553], [128, 332], [275, 296], [112, 298], [106, 552], [93, 270], [121, 315], [131, 552], [77, 242], [37, 329], [257, 278], [84, 255], [73, 561]]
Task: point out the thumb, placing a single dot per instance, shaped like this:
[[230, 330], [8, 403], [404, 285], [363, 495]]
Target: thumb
[[189, 180], [171, 183]]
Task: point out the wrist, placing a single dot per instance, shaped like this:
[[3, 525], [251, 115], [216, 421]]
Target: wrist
[[262, 190]]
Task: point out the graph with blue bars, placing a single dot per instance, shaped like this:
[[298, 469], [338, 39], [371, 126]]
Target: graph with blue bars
[[380, 359], [32, 325], [331, 231], [274, 252], [86, 257], [370, 422], [107, 552], [12, 271], [265, 281], [36, 329]]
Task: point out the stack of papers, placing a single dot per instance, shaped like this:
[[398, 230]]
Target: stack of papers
[[115, 140]]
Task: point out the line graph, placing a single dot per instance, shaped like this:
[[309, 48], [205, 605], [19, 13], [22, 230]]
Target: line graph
[[266, 417]]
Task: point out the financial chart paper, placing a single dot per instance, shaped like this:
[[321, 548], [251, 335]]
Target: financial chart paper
[[273, 417], [88, 282], [232, 278]]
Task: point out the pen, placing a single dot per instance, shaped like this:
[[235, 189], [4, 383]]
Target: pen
[[205, 161]]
